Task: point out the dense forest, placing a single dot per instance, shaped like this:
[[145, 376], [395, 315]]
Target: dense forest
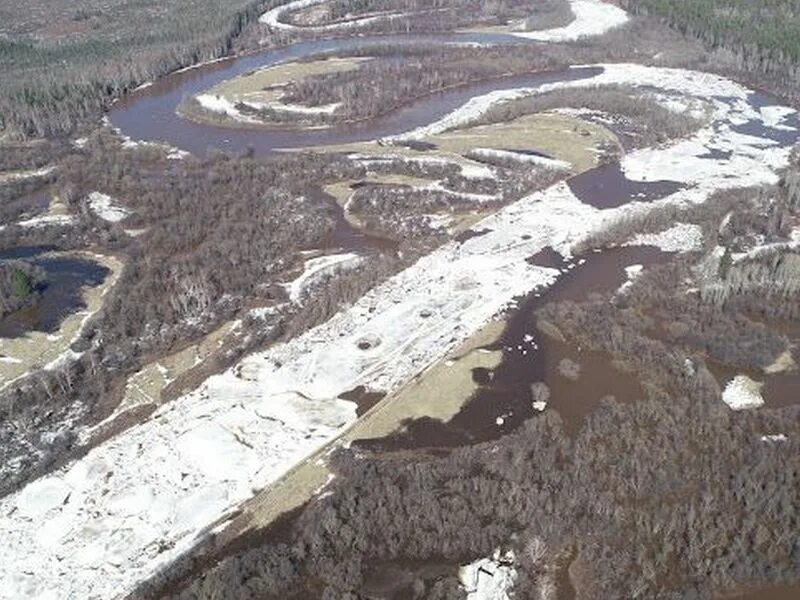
[[763, 35]]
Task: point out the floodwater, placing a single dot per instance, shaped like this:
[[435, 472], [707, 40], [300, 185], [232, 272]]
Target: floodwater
[[344, 236], [503, 401], [606, 186], [773, 592], [67, 276], [531, 357]]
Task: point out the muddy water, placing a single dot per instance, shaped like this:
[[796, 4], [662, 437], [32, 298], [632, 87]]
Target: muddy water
[[607, 187], [344, 236], [503, 400], [67, 276]]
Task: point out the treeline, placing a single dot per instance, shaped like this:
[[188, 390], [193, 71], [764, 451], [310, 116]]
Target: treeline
[[52, 85]]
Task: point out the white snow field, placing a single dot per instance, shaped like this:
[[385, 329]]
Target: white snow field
[[100, 525], [592, 18]]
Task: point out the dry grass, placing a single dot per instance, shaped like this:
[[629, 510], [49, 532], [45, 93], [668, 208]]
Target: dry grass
[[561, 136]]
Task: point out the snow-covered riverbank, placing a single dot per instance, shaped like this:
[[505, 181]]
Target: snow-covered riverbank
[[592, 18]]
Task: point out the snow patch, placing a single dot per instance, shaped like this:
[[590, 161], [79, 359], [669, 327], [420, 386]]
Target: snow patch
[[683, 237], [489, 578], [316, 269], [522, 157], [47, 220], [105, 208], [298, 109], [221, 105], [742, 393], [272, 18]]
